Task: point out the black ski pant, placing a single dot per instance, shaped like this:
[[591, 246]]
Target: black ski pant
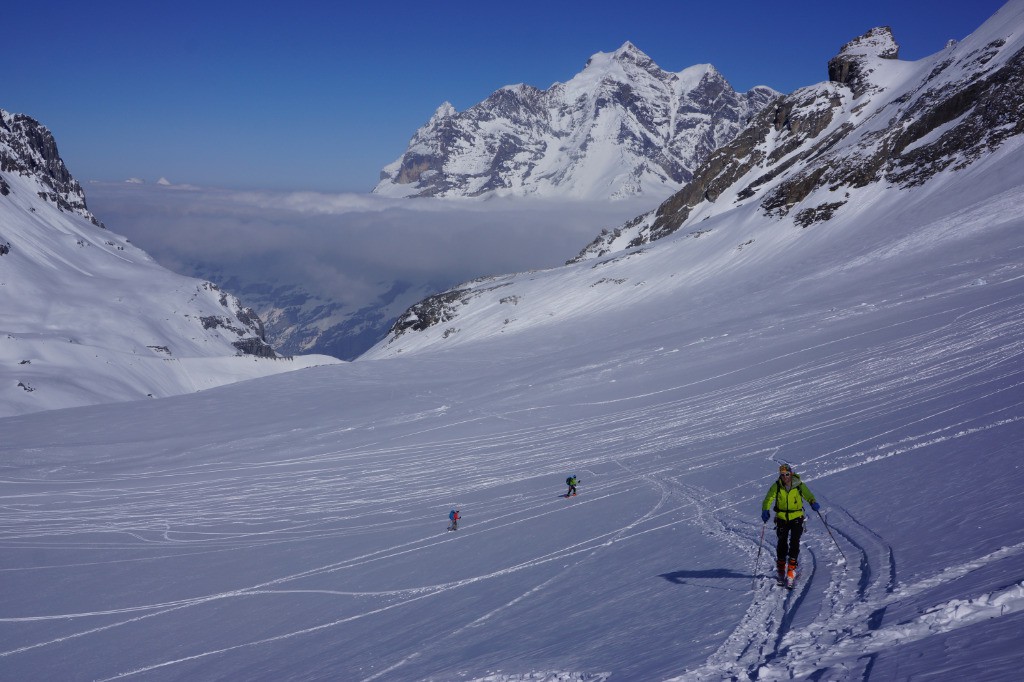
[[789, 533], [572, 491]]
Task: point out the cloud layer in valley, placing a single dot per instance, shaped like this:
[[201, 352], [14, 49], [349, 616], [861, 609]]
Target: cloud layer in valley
[[344, 247]]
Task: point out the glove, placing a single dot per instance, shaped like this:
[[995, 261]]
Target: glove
[[815, 506], [765, 515]]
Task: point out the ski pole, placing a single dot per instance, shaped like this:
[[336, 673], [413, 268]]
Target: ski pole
[[760, 544], [831, 536]]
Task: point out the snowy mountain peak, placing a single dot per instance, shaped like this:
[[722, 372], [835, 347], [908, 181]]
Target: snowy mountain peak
[[622, 126], [626, 57], [856, 61], [446, 110], [630, 52], [878, 42]]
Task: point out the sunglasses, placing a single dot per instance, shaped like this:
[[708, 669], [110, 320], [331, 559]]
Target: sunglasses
[[786, 473]]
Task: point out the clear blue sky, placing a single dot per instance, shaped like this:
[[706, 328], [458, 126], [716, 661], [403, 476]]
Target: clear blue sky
[[321, 95]]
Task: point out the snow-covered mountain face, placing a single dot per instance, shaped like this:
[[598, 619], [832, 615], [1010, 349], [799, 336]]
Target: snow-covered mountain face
[[87, 317], [621, 127], [835, 167], [878, 122]]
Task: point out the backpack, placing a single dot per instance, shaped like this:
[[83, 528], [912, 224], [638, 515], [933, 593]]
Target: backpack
[[571, 480]]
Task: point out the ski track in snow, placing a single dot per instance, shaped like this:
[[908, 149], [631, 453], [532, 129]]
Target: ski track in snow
[[846, 634]]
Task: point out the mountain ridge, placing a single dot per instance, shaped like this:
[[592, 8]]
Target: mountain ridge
[[621, 127]]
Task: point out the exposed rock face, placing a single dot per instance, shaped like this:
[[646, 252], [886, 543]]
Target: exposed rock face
[[852, 66], [240, 320], [28, 148], [801, 154], [444, 307], [621, 127]]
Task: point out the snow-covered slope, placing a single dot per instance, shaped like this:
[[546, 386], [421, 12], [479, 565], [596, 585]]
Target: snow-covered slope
[[620, 127], [86, 317], [294, 527]]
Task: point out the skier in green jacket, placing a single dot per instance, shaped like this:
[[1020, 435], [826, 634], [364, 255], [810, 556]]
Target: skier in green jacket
[[571, 482], [788, 493]]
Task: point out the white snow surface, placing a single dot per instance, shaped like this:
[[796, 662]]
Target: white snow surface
[[294, 526]]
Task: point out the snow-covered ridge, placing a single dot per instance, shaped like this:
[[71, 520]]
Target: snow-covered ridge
[[621, 127], [87, 317]]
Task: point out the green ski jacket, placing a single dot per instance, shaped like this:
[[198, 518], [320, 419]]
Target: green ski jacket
[[789, 502]]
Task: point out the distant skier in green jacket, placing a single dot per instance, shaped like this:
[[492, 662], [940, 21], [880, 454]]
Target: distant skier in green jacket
[[787, 493]]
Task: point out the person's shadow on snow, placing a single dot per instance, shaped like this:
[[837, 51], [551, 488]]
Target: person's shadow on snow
[[707, 577]]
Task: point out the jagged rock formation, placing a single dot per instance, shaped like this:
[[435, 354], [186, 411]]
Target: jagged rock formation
[[621, 127], [28, 149], [877, 120], [852, 66]]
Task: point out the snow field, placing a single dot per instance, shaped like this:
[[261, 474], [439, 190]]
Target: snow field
[[298, 530]]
